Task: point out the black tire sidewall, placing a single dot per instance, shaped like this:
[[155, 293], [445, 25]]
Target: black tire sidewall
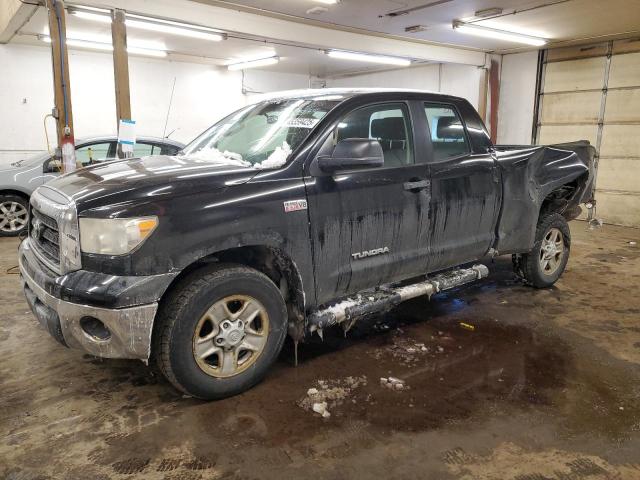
[[228, 282], [22, 201], [535, 275]]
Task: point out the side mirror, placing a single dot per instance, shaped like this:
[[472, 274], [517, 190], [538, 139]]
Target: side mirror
[[51, 166], [352, 153]]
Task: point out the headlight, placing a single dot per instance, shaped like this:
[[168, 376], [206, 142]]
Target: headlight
[[114, 236]]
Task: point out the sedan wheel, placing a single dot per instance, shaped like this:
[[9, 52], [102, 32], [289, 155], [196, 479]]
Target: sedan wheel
[[13, 216]]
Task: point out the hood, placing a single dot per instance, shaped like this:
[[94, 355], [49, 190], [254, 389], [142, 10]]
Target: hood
[[144, 179], [26, 163]]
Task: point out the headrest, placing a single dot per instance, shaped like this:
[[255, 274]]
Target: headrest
[[391, 128], [450, 127]]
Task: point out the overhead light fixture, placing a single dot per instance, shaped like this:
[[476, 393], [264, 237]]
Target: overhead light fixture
[[488, 12], [327, 2], [151, 24], [365, 57], [90, 13], [173, 28], [106, 47], [260, 62], [487, 32], [415, 29]]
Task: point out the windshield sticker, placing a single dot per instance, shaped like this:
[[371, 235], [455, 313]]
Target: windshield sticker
[[303, 122]]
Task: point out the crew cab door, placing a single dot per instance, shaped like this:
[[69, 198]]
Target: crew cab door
[[465, 191], [365, 224]]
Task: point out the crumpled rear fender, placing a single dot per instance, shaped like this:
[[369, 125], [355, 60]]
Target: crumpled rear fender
[[529, 175]]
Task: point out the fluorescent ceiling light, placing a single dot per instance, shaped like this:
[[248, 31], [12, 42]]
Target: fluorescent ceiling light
[[146, 52], [106, 47], [151, 24], [363, 57], [261, 62], [171, 28], [96, 17], [487, 32], [327, 2]]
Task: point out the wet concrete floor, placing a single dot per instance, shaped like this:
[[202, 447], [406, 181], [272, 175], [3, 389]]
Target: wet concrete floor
[[546, 386]]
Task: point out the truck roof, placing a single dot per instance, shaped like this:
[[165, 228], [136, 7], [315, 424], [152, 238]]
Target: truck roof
[[343, 92]]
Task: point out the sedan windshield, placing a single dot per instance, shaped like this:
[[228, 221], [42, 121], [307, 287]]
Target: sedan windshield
[[261, 135]]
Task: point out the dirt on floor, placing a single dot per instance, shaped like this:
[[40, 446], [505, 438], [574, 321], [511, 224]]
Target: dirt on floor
[[498, 381]]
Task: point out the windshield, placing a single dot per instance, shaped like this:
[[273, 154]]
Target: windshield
[[261, 135]]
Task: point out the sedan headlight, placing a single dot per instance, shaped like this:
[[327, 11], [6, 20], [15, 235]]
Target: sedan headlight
[[114, 236]]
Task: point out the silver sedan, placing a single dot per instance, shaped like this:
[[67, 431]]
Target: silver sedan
[[21, 178]]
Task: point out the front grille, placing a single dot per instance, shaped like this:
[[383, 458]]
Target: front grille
[[53, 230], [46, 239]]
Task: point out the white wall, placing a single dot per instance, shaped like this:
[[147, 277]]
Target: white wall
[[261, 81], [203, 94], [459, 80], [517, 98]]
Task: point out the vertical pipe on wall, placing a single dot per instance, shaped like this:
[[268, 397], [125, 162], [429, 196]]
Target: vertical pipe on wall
[[537, 102], [601, 113], [494, 89], [120, 67], [483, 91], [61, 85]]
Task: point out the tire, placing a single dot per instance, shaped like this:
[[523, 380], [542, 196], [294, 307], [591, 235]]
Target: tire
[[542, 268], [199, 315], [14, 215]]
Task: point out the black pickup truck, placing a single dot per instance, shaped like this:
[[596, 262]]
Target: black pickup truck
[[292, 215]]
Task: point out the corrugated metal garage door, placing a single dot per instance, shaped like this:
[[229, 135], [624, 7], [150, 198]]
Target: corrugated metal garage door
[[593, 93]]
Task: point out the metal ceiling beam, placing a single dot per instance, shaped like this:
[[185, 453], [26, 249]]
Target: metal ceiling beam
[[13, 15]]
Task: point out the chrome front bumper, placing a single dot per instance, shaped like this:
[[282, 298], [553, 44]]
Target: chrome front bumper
[[129, 329]]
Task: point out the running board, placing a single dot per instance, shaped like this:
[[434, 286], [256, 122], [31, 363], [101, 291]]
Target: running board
[[347, 311]]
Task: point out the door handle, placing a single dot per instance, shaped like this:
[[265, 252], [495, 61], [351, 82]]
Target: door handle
[[417, 185]]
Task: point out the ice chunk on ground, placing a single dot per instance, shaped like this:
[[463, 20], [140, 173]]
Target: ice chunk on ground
[[320, 407]]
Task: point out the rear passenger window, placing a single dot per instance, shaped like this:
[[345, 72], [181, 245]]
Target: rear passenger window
[[447, 132], [142, 149], [389, 124]]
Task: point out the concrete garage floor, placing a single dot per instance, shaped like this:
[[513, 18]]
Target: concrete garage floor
[[547, 386]]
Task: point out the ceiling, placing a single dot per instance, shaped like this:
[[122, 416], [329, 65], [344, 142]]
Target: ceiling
[[294, 59], [556, 20]]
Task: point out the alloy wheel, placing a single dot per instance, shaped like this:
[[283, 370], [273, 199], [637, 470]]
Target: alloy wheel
[[552, 251], [13, 216], [230, 336]]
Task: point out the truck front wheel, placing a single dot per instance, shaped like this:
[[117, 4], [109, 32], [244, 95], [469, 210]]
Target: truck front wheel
[[219, 331], [546, 261]]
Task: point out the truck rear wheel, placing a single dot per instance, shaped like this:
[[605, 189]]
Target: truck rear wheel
[[546, 261], [219, 331]]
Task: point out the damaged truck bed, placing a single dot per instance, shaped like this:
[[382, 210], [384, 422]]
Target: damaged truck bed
[[297, 213]]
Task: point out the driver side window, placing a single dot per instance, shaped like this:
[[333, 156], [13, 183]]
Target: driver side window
[[389, 124]]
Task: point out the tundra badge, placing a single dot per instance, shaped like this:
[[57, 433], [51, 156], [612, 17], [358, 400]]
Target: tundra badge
[[369, 253], [294, 205]]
